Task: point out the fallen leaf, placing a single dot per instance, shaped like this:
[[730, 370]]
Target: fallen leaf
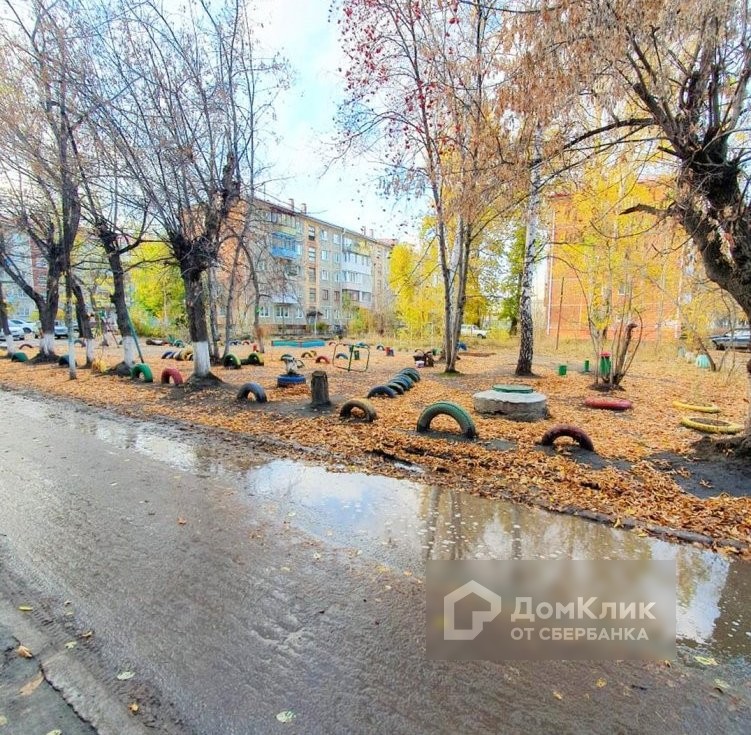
[[721, 685], [286, 716], [71, 644], [706, 660], [55, 732], [3, 720], [557, 695], [181, 521], [87, 634], [601, 683], [24, 652], [25, 608], [31, 685], [133, 707], [125, 675]]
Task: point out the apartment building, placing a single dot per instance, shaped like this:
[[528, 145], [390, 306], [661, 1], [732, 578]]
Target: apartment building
[[311, 273]]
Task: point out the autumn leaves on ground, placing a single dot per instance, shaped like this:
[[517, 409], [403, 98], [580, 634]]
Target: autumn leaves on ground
[[630, 485]]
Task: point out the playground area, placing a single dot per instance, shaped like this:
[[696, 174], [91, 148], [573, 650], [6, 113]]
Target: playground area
[[646, 471]]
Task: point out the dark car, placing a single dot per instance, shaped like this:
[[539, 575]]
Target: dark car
[[738, 339]]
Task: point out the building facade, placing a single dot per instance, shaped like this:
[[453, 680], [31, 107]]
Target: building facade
[[313, 275]]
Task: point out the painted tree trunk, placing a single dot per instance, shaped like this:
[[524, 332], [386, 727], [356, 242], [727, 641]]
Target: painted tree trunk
[[211, 295], [4, 326], [47, 341], [526, 325], [196, 311], [121, 307], [228, 322]]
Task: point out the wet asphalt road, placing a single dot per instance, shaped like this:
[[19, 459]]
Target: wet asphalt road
[[231, 605]]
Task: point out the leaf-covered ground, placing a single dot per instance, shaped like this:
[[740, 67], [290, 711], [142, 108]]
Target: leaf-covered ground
[[630, 483]]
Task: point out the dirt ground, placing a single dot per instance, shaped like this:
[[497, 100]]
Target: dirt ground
[[649, 472]]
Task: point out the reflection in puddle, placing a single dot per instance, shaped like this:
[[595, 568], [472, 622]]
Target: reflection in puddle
[[404, 523]]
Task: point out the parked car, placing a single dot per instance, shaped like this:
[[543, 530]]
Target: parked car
[[29, 328], [738, 339], [61, 329], [15, 331], [470, 330]]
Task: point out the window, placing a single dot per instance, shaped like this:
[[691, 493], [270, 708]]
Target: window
[[292, 271], [327, 314], [264, 312], [324, 254], [336, 277], [324, 294], [282, 312], [324, 275], [298, 248], [311, 294], [336, 257], [311, 232], [299, 314], [365, 297], [337, 239], [336, 296], [311, 274], [337, 314], [311, 253], [323, 235]]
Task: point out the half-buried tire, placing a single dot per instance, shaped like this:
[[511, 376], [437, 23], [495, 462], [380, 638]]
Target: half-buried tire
[[447, 408], [142, 370], [382, 390], [608, 404], [412, 372], [321, 359], [174, 373], [62, 361], [398, 387], [360, 406], [19, 357], [253, 359], [168, 354], [230, 361], [404, 380], [572, 432], [253, 389], [710, 426]]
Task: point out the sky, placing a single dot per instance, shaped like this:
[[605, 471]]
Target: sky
[[346, 194]]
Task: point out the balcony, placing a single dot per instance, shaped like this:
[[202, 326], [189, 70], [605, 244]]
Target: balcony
[[285, 246]]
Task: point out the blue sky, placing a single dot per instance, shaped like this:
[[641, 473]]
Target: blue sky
[[347, 194]]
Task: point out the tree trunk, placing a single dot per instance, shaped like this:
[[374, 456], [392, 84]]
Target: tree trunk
[[84, 322], [47, 339], [4, 326], [114, 258], [196, 311], [319, 389], [526, 327], [228, 305], [213, 317]]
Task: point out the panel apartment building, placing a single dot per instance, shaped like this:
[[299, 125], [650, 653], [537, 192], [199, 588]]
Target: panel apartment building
[[312, 272]]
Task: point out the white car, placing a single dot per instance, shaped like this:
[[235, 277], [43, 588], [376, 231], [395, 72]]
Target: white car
[[15, 331], [470, 330], [29, 329]]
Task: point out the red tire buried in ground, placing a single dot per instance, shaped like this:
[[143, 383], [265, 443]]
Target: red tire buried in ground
[[608, 404], [174, 373], [572, 432], [321, 359]]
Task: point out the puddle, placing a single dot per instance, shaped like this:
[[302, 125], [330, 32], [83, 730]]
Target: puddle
[[403, 523]]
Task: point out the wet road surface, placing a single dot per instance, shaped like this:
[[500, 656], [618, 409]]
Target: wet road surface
[[236, 588]]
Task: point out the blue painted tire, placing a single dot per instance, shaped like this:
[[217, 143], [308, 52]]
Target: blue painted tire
[[412, 372], [404, 380], [255, 389], [398, 387], [285, 380], [382, 390], [167, 354]]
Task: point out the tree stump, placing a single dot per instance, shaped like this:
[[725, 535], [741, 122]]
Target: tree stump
[[319, 389]]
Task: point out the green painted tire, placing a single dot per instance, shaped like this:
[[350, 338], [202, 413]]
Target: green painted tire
[[253, 359], [231, 361], [447, 408], [142, 369], [412, 372], [19, 357], [404, 380]]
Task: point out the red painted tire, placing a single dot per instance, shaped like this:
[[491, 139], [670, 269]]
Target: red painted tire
[[572, 432], [174, 373], [323, 359], [608, 404]]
